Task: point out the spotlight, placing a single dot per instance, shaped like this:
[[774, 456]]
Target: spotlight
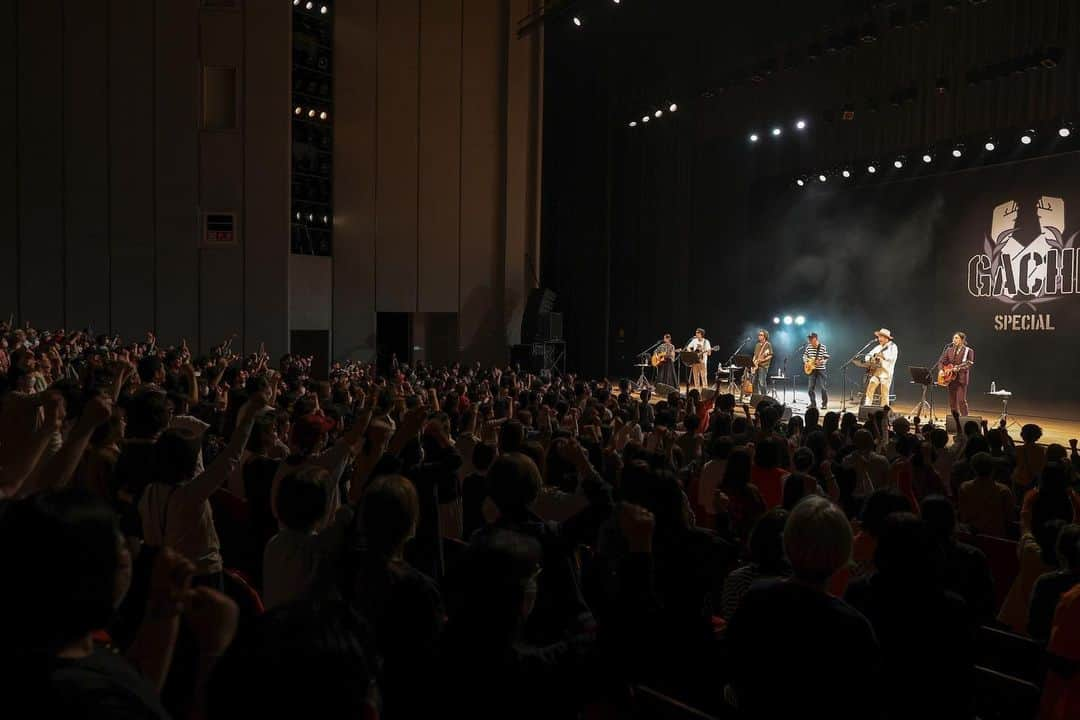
[[295, 2], [298, 110], [871, 168], [324, 9], [322, 115], [800, 182], [672, 107], [822, 177], [326, 219], [311, 217], [990, 145], [309, 5], [1065, 130], [1027, 136], [776, 132], [633, 123], [311, 113], [577, 21], [658, 113], [898, 163], [753, 137], [645, 118], [788, 320], [616, 1], [800, 124], [800, 320], [927, 158], [297, 214], [846, 173], [776, 321], [958, 150]]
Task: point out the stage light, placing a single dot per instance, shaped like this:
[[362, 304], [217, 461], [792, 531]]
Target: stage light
[[776, 321], [822, 177], [297, 214], [298, 110], [577, 21], [658, 113], [324, 9], [633, 123], [616, 1], [323, 115], [295, 2], [1027, 136], [927, 158], [958, 150], [800, 124], [990, 145], [326, 219], [311, 217], [898, 163], [788, 320], [871, 168], [800, 182], [800, 320], [846, 173], [311, 113], [672, 107], [309, 5], [1065, 130], [645, 118], [776, 132], [753, 137]]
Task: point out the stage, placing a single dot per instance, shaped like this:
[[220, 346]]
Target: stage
[[1055, 429]]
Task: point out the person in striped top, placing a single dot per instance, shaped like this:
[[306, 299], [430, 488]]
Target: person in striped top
[[815, 351]]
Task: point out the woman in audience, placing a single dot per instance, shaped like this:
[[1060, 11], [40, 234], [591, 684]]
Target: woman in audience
[[927, 656], [1038, 556], [766, 560], [986, 506], [965, 569], [1050, 587], [739, 504]]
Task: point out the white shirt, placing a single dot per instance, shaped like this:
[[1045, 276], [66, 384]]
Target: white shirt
[[702, 345], [889, 353]]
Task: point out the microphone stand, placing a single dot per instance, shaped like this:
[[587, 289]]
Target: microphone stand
[[843, 376], [799, 349], [643, 356], [731, 373]]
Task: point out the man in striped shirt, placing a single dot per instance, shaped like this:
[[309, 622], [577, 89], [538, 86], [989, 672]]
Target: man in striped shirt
[[815, 352]]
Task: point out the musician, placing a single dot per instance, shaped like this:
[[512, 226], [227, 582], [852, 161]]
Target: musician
[[816, 353], [763, 354], [699, 371], [665, 371], [958, 354], [881, 376]]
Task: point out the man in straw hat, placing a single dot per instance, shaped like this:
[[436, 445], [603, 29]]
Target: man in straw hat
[[881, 376]]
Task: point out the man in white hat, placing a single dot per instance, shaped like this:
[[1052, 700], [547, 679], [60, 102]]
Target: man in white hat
[[881, 377]]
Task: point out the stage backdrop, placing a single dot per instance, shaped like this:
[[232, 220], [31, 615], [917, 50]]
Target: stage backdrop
[[990, 251]]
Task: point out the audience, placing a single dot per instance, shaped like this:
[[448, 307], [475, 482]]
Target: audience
[[485, 542]]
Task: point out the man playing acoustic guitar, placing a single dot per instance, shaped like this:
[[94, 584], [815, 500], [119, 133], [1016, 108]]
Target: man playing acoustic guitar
[[955, 373]]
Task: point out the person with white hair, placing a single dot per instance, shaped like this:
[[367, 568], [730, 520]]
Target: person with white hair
[[795, 649]]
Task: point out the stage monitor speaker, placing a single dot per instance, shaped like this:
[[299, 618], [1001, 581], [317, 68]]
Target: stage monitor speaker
[[541, 300], [662, 391], [950, 422]]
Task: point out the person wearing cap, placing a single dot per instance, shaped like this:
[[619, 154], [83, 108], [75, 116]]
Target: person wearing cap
[[815, 351], [882, 376]]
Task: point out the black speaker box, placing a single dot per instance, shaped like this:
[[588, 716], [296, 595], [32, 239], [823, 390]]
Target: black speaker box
[[950, 422]]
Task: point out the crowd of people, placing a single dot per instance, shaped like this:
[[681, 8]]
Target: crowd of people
[[222, 536]]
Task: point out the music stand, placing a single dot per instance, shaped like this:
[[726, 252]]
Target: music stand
[[923, 376]]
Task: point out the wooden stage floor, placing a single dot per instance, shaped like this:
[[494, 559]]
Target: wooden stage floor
[[1055, 429]]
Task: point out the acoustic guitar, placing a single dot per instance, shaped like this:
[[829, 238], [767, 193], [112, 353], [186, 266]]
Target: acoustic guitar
[[659, 358], [948, 372]]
